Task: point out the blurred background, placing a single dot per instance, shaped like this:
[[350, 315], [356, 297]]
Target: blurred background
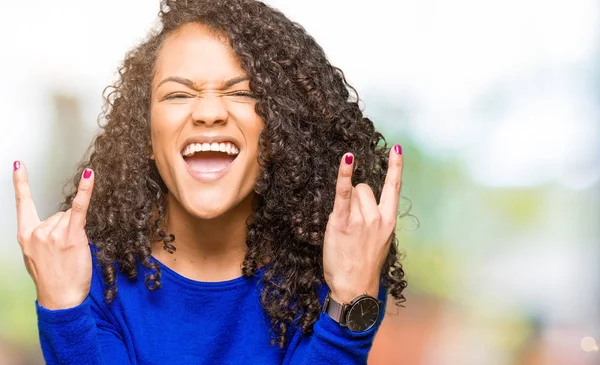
[[497, 106]]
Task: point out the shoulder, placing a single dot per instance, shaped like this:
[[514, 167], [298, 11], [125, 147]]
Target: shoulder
[[99, 286]]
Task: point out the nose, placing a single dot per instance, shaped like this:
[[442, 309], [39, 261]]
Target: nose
[[209, 110]]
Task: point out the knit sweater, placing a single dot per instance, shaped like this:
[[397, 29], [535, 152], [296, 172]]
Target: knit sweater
[[188, 322]]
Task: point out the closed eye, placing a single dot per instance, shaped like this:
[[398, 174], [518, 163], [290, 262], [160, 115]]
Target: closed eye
[[177, 96], [246, 94]]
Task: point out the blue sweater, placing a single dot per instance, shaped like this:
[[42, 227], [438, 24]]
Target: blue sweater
[[188, 322]]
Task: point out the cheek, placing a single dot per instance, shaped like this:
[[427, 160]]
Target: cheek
[[253, 136], [251, 125], [164, 126], [165, 122]]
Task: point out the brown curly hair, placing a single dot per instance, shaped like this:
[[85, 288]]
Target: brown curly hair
[[304, 101]]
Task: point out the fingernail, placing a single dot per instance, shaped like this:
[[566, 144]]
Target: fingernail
[[87, 173], [348, 159], [16, 165], [398, 149]]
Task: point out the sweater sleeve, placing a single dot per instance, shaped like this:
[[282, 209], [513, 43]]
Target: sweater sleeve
[[330, 343], [78, 336]]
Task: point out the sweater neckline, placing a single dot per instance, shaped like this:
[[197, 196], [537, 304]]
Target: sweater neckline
[[207, 285]]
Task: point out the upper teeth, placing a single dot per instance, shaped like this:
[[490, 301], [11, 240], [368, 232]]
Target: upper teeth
[[226, 147]]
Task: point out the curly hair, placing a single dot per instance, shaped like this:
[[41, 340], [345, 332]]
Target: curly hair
[[305, 102]]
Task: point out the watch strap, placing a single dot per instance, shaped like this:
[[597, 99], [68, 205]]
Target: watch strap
[[334, 309]]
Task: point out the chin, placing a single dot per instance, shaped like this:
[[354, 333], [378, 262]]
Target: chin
[[207, 203], [207, 213], [211, 208]]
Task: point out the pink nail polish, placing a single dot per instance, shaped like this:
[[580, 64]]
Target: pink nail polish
[[16, 165], [398, 149], [87, 173], [348, 159]]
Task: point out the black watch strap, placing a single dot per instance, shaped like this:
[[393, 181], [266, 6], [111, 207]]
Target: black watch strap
[[334, 309]]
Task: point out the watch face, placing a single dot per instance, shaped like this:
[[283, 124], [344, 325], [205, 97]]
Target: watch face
[[363, 314]]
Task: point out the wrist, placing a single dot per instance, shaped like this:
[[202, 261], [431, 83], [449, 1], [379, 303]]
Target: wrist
[[52, 303], [345, 293]]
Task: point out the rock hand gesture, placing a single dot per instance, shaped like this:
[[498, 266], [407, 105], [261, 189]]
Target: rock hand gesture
[[359, 231], [56, 251]]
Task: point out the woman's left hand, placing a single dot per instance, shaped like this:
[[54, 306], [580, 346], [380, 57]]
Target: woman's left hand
[[359, 231]]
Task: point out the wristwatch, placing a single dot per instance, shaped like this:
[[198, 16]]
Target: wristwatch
[[360, 315]]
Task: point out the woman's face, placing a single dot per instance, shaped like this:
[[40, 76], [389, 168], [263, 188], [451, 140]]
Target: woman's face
[[204, 126]]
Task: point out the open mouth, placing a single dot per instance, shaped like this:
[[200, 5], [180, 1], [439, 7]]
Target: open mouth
[[210, 157]]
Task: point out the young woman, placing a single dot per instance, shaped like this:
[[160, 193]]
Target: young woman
[[236, 207]]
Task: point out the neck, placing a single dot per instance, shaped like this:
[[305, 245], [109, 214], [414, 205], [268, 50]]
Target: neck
[[206, 249]]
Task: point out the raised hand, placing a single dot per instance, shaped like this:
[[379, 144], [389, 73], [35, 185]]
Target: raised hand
[[55, 251], [359, 231]]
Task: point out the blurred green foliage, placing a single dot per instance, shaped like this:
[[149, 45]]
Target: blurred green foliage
[[18, 320]]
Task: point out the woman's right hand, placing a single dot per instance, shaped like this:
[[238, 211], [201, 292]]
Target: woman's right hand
[[56, 251]]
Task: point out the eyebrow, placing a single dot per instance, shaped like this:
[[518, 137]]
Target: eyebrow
[[192, 85]]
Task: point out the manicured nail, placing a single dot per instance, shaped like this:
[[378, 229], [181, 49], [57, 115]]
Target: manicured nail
[[16, 165], [348, 159], [398, 149], [87, 173]]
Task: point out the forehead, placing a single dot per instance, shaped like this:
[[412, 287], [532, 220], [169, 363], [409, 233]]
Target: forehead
[[197, 53]]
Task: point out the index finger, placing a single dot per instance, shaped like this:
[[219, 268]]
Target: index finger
[[81, 202], [27, 216], [388, 204], [343, 187]]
